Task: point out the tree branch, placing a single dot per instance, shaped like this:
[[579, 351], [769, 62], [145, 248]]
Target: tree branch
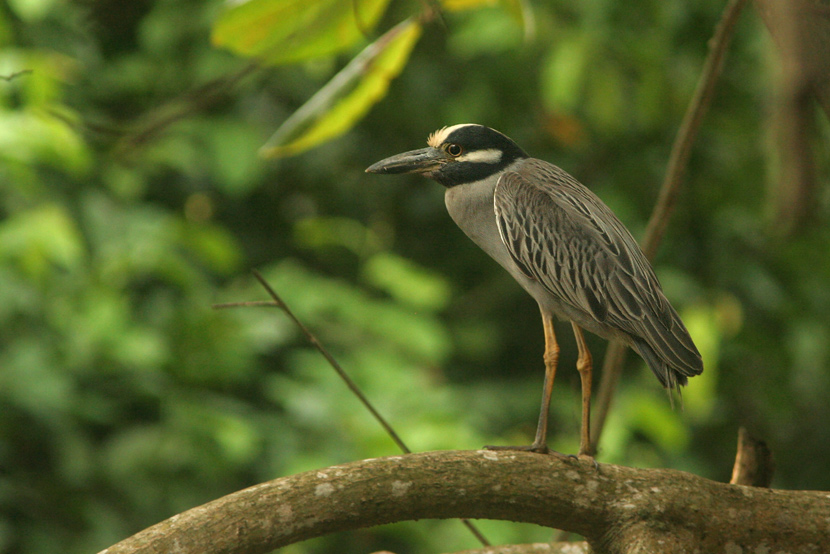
[[754, 465], [619, 510], [801, 29], [534, 548]]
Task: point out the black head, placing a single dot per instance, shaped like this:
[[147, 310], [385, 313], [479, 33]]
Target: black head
[[456, 155]]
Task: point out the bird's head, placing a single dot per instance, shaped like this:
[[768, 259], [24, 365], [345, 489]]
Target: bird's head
[[456, 155]]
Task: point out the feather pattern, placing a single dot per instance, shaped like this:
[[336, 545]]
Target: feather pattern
[[563, 236]]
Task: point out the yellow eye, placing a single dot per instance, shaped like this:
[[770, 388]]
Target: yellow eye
[[454, 150]]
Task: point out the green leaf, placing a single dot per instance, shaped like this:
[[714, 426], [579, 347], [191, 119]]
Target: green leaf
[[565, 72], [38, 137], [522, 13], [288, 31], [486, 32], [464, 5], [41, 237], [336, 107], [32, 10], [323, 232], [407, 282]]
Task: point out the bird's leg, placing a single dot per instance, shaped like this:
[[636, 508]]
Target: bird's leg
[[584, 365], [551, 361]]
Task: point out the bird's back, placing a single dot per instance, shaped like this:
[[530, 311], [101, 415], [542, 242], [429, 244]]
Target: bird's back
[[563, 236]]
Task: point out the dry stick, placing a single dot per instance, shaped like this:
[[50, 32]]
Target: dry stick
[[754, 464], [278, 303], [676, 170]]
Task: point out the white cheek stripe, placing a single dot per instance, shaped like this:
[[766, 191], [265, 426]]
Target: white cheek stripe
[[489, 156]]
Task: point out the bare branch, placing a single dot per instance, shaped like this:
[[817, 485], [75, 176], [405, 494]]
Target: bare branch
[[619, 510], [534, 548], [753, 463]]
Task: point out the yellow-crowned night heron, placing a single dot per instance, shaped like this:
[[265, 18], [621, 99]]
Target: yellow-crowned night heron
[[563, 245]]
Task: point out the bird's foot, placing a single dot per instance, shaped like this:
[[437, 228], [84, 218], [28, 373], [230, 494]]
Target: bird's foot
[[584, 457], [543, 449], [537, 448]]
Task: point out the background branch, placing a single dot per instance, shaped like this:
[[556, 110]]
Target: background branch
[[667, 199], [801, 31]]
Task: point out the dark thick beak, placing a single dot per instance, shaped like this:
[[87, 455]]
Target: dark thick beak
[[425, 160]]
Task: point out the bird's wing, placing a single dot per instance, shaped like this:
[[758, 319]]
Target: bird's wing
[[561, 234]]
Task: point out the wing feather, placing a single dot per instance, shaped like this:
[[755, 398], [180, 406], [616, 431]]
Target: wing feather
[[562, 235]]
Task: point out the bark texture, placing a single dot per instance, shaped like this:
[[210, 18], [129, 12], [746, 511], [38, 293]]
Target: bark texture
[[618, 509]]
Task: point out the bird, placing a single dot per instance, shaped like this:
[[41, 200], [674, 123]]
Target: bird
[[564, 246]]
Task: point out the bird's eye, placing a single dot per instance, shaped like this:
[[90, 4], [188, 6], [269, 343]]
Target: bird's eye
[[454, 150]]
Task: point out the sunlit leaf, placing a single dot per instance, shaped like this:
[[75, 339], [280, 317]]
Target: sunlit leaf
[[407, 282], [461, 5], [39, 137], [326, 232], [522, 13], [41, 237], [336, 107], [564, 74], [31, 10], [653, 416], [709, 325], [287, 31], [519, 10], [213, 246]]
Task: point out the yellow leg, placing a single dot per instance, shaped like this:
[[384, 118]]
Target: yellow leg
[[584, 365], [551, 361]]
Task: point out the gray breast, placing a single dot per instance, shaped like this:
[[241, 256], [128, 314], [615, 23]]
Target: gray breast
[[471, 207]]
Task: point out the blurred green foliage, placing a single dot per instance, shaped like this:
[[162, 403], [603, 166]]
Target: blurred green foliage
[[125, 398]]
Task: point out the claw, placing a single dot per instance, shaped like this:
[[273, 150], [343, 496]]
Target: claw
[[588, 458]]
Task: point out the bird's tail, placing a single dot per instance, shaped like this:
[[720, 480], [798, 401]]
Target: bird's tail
[[665, 345], [671, 376]]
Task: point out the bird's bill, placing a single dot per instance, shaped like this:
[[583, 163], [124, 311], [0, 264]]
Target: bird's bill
[[425, 160]]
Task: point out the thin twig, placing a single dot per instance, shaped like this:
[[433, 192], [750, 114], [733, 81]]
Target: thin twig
[[186, 105], [279, 303], [667, 199]]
